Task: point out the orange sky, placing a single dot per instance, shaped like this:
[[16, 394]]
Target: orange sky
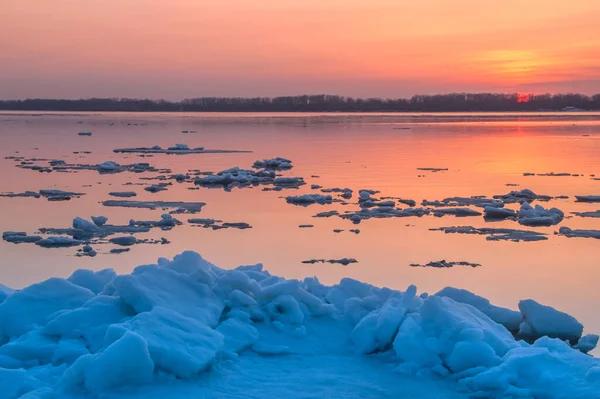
[[185, 48]]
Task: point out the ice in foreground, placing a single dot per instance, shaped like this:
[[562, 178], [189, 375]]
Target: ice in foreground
[[186, 328]]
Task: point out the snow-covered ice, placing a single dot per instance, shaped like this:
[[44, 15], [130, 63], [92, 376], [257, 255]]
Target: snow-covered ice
[[308, 199], [185, 328], [274, 163], [539, 216]]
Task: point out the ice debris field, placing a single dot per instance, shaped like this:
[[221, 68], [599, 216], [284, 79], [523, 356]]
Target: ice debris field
[[186, 328]]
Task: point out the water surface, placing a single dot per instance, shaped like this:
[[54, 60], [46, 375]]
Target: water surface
[[483, 153]]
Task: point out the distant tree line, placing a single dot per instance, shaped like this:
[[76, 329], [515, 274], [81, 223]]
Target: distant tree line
[[454, 102]]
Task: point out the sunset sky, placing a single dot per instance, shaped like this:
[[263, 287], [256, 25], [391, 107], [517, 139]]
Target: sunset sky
[[389, 48]]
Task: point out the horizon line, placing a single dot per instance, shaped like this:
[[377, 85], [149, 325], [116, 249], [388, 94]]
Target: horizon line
[[452, 93]]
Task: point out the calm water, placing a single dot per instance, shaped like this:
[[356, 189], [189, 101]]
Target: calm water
[[483, 153]]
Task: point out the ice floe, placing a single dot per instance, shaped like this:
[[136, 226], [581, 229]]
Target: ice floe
[[181, 149], [491, 212], [478, 201], [495, 234], [587, 198], [459, 212], [123, 194], [326, 214], [308, 199], [59, 195], [218, 224], [342, 261], [189, 207], [274, 164], [433, 169], [567, 232], [25, 194], [539, 216], [588, 214], [155, 188], [442, 264], [19, 237], [186, 328], [522, 196]]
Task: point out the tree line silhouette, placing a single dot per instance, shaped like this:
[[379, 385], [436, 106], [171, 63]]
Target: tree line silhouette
[[454, 102]]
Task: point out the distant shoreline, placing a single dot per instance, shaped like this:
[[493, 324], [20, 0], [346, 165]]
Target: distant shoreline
[[450, 103]]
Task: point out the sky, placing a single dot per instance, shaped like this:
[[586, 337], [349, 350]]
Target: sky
[[381, 48]]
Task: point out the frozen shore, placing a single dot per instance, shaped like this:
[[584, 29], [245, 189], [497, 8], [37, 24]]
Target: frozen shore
[[186, 328]]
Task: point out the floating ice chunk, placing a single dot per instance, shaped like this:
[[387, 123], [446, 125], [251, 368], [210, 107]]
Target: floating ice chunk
[[99, 220], [539, 216], [123, 194], [308, 199], [108, 166], [326, 214], [123, 240], [444, 264], [498, 213], [23, 194], [342, 261], [522, 196], [495, 234], [433, 169], [119, 250], [289, 182], [191, 207], [85, 225], [587, 198], [589, 214], [58, 242], [18, 237], [177, 149], [459, 212], [236, 225], [540, 320], [274, 163], [511, 319], [154, 188], [206, 222], [59, 195], [567, 232]]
